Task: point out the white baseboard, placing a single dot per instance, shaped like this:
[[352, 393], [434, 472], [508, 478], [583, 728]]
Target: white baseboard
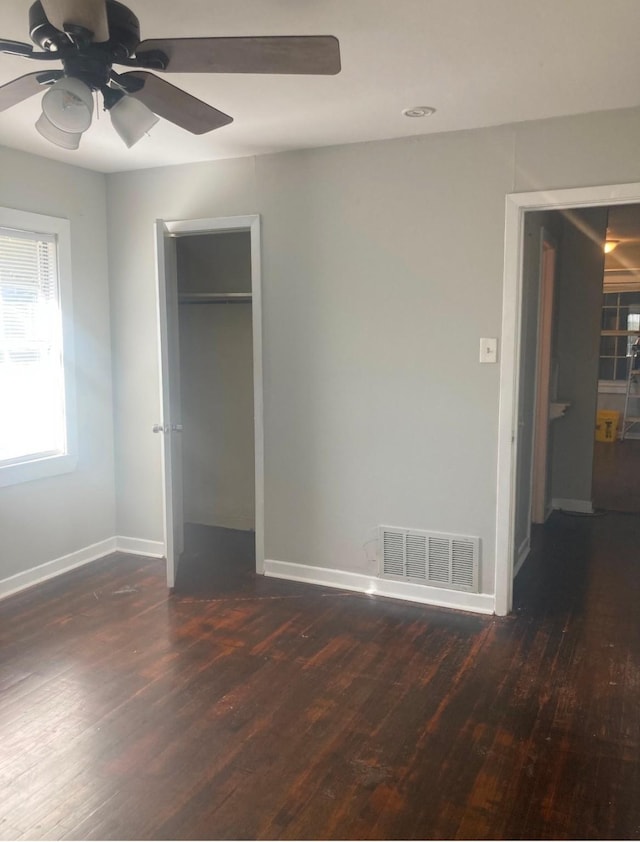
[[584, 507], [478, 602], [49, 569], [521, 556], [139, 546], [130, 546]]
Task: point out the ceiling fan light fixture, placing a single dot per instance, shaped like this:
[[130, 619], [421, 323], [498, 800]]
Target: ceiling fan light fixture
[[66, 140], [89, 37], [68, 104], [132, 120]]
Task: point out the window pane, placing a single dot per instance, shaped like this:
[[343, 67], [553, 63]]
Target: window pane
[[609, 318], [607, 369], [622, 321], [630, 299], [608, 345], [621, 369], [31, 372]]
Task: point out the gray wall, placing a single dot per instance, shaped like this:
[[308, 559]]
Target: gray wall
[[49, 518], [216, 383], [382, 268], [214, 262], [577, 340]]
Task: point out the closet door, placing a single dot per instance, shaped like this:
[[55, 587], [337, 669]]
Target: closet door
[[170, 426]]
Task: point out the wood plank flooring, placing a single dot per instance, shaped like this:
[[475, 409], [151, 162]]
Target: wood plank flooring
[[275, 710], [616, 476]]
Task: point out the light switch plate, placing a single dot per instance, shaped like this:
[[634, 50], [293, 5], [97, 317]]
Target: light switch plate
[[489, 350]]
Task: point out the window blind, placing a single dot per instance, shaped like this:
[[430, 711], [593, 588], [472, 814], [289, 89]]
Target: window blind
[[31, 365]]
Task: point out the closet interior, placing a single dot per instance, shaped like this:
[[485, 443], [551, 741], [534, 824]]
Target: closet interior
[[216, 391]]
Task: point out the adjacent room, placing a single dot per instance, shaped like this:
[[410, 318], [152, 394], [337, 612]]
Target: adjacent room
[[319, 458], [617, 452]]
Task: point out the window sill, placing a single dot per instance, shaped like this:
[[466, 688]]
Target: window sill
[[612, 387], [49, 466]]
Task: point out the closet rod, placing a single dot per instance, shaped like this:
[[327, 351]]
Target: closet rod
[[214, 298]]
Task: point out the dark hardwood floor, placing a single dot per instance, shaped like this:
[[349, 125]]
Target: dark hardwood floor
[[616, 476], [216, 561], [275, 710]]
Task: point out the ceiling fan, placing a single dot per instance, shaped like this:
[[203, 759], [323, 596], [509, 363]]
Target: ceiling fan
[[90, 36]]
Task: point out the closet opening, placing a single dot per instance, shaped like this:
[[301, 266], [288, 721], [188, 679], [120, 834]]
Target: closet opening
[[210, 342], [216, 391]]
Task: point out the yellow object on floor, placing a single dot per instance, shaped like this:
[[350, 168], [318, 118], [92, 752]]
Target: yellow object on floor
[[607, 421]]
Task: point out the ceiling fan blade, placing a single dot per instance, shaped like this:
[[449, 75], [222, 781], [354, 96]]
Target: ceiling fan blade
[[309, 54], [15, 48], [90, 14], [174, 104], [25, 86]]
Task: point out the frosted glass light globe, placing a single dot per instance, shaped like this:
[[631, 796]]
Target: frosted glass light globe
[[69, 105]]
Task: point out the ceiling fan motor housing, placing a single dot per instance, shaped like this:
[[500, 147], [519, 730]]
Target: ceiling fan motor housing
[[124, 32]]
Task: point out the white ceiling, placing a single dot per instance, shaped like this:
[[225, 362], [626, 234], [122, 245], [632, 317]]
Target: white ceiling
[[478, 62]]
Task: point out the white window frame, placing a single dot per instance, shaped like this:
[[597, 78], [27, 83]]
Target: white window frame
[[617, 387], [33, 468]]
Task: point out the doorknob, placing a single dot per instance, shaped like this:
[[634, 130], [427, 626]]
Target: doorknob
[[160, 428]]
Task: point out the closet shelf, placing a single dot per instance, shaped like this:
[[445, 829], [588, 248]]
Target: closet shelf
[[214, 297]]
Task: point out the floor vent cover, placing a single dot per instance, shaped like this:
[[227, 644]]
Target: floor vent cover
[[430, 558]]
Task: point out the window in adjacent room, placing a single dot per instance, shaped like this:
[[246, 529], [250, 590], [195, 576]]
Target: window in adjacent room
[[36, 375], [620, 326]]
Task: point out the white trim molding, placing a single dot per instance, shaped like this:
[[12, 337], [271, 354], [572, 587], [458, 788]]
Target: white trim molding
[[139, 546], [516, 205], [251, 224], [33, 466], [612, 387], [50, 569], [479, 603], [566, 504]]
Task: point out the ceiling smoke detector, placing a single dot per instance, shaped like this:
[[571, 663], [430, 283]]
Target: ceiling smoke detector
[[419, 111]]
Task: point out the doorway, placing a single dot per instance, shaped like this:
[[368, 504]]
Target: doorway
[[563, 264], [510, 438], [617, 452], [209, 303]]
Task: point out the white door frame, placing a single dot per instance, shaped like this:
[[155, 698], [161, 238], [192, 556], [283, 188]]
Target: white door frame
[[251, 223], [516, 206], [167, 311], [538, 511]]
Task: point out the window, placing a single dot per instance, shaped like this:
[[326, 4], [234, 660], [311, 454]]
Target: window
[[620, 314], [36, 376]]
